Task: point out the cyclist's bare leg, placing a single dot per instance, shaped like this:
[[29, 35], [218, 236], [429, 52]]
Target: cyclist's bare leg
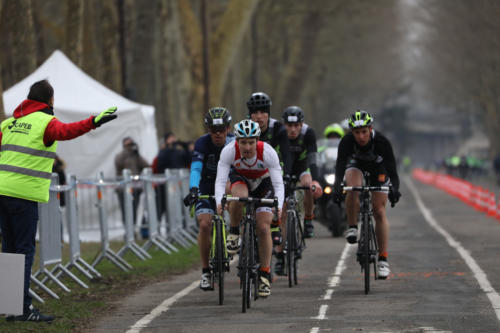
[[236, 208], [205, 223], [379, 200], [279, 248], [306, 180], [353, 177], [264, 220]]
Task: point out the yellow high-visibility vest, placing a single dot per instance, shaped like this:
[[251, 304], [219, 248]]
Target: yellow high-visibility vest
[[25, 162]]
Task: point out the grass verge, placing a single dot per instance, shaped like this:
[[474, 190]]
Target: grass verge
[[75, 311]]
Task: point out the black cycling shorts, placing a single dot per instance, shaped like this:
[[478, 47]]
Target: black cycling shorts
[[378, 173], [264, 190]]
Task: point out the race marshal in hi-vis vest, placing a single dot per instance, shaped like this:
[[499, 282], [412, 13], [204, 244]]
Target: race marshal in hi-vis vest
[[25, 162]]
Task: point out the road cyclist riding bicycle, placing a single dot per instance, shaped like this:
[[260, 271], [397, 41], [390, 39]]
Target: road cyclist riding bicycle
[[206, 154], [363, 149], [303, 150], [367, 252], [253, 169], [274, 133]]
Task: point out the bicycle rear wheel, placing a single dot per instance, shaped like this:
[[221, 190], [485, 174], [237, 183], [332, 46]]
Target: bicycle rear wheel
[[297, 251], [220, 256], [366, 252], [291, 246]]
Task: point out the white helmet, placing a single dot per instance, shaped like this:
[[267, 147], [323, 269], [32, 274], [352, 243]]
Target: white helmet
[[247, 129]]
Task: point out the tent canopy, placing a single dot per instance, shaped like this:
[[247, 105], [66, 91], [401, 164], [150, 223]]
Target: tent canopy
[[76, 97]]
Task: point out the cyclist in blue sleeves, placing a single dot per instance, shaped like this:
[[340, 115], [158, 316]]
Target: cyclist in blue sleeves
[[205, 157]]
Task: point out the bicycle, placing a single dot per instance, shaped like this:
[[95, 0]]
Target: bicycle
[[295, 241], [219, 258], [367, 245], [248, 256]]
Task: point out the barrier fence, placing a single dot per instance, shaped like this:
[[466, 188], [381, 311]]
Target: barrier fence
[[102, 211], [475, 196]]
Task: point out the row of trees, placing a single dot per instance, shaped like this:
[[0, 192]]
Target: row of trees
[[329, 56]]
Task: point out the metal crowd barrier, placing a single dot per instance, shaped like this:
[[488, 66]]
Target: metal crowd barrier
[[180, 228], [130, 244]]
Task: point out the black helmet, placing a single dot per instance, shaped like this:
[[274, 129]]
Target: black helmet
[[259, 101], [293, 114], [217, 117], [359, 119]]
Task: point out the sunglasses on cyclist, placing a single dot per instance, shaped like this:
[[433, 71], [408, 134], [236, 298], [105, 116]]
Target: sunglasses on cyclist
[[216, 129]]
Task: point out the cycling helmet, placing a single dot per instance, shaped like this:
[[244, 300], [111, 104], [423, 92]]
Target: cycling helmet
[[247, 129], [293, 114], [359, 119], [259, 101], [217, 117], [333, 129]]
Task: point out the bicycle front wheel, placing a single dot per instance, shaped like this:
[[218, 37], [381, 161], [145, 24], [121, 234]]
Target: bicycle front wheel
[[366, 251], [245, 271], [220, 256]]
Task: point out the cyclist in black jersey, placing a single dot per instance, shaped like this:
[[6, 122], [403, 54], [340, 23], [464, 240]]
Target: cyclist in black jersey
[[363, 149], [274, 133], [303, 151]]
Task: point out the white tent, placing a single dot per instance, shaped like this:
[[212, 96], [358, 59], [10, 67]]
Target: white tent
[[76, 97]]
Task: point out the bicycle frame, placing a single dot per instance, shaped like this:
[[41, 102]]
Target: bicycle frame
[[218, 258], [367, 245], [295, 242], [248, 265]]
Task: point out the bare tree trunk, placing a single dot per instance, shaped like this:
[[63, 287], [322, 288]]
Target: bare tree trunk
[[301, 56], [75, 11], [225, 42], [192, 45], [18, 37]]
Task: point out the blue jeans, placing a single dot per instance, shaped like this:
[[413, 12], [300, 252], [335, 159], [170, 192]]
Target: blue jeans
[[18, 221]]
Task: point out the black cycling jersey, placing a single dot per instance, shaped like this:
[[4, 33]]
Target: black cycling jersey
[[277, 137], [303, 152], [205, 157], [378, 150]]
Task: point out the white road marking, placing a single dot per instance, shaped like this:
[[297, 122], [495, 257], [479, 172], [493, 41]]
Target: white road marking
[[163, 307], [328, 294], [479, 274], [333, 281], [322, 312], [166, 304]]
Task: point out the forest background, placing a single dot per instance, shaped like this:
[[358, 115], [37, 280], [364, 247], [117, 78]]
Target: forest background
[[429, 70]]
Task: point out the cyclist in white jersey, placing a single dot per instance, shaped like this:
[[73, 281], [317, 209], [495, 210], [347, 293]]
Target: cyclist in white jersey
[[254, 170]]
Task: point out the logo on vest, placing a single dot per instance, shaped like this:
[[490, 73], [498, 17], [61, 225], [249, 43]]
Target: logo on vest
[[19, 127]]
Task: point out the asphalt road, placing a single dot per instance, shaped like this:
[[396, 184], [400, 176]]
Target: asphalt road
[[443, 280]]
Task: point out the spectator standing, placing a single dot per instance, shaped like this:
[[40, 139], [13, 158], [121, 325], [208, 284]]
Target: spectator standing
[[173, 155], [28, 142], [129, 158]]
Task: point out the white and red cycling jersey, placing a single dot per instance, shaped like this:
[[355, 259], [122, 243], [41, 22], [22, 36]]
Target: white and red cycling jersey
[[264, 164]]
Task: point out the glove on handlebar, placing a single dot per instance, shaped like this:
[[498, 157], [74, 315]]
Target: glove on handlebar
[[191, 198], [105, 116], [337, 194], [394, 196]]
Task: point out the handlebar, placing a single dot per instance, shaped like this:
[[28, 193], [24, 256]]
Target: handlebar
[[366, 188], [251, 199]]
